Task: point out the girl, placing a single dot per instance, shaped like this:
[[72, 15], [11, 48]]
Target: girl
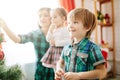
[[57, 36], [38, 39]]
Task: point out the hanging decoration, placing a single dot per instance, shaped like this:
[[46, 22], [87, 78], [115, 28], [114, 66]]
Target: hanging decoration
[[1, 40]]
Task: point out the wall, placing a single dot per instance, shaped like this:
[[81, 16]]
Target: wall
[[117, 33]]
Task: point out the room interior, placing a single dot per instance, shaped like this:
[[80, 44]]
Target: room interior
[[105, 35]]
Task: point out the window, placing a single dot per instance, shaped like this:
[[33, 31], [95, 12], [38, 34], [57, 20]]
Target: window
[[21, 17]]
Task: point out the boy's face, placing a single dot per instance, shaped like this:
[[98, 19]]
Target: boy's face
[[44, 18], [76, 29]]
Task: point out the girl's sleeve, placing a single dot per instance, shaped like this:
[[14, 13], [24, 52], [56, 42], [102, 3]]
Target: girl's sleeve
[[64, 40], [29, 37]]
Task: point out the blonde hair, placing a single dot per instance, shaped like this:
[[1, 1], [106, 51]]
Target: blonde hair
[[44, 8], [61, 11], [86, 17]]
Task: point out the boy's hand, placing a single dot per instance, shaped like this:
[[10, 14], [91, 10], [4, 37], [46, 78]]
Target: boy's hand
[[58, 74], [71, 76]]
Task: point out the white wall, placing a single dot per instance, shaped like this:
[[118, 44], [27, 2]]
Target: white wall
[[117, 33]]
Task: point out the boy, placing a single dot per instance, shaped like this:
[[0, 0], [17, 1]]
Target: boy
[[82, 59]]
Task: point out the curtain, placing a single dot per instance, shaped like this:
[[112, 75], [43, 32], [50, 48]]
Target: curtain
[[67, 4]]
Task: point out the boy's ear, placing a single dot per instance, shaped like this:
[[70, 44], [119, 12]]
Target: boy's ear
[[88, 29]]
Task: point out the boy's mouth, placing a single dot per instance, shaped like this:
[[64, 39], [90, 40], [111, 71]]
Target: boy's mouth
[[72, 30]]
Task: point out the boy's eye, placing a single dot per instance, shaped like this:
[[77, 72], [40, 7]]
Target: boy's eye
[[75, 22]]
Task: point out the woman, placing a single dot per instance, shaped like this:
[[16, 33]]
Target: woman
[[37, 37]]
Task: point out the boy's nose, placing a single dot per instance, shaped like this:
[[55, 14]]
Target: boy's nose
[[71, 25]]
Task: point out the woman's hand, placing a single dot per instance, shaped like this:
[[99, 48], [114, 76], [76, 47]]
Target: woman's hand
[[2, 23]]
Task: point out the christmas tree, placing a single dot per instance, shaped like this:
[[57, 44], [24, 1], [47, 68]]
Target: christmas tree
[[10, 72]]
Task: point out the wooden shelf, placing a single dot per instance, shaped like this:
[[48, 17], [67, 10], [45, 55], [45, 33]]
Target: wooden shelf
[[111, 25], [103, 1], [111, 49], [105, 25]]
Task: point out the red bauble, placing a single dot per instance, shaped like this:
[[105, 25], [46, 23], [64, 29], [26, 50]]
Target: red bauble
[[1, 55]]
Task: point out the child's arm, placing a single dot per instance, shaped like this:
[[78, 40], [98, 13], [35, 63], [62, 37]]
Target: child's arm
[[10, 34], [49, 35], [99, 73], [59, 69]]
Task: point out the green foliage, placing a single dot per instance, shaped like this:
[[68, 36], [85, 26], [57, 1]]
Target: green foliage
[[2, 69], [10, 73], [1, 39], [100, 16], [2, 62]]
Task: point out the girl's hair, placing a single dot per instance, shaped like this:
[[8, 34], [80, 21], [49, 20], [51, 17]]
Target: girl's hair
[[88, 19], [44, 8], [61, 11]]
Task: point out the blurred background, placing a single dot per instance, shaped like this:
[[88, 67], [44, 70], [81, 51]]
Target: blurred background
[[21, 16]]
